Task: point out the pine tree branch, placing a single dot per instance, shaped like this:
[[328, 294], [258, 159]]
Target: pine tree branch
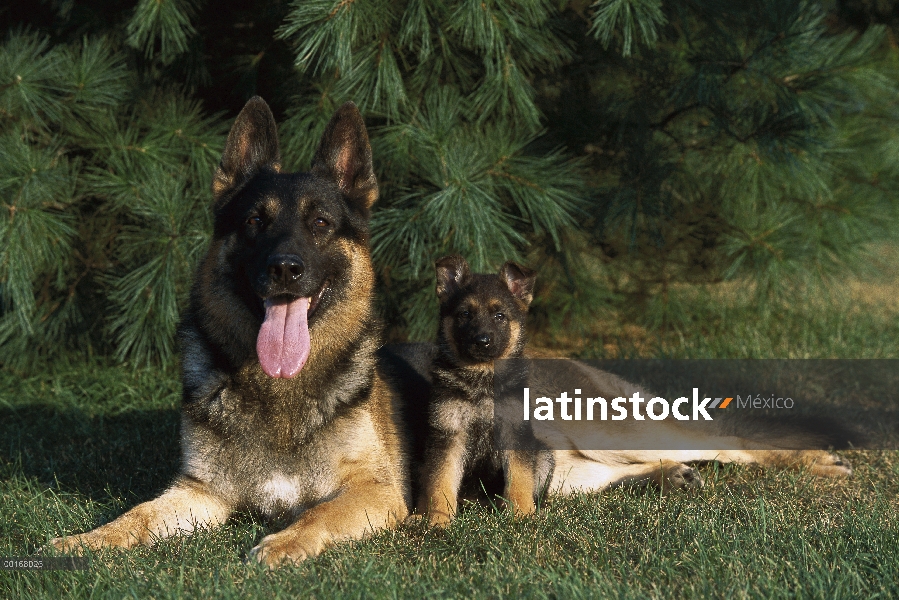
[[661, 125], [340, 5], [516, 179]]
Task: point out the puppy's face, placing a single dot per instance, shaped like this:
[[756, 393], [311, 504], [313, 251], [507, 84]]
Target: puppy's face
[[482, 316]]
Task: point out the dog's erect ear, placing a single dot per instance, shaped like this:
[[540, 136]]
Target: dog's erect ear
[[252, 145], [452, 275], [344, 156], [520, 280]]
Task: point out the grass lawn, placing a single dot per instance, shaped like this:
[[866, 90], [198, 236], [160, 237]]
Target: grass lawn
[[80, 443]]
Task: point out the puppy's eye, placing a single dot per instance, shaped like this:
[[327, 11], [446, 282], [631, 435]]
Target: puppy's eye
[[464, 314], [254, 220], [320, 223], [499, 316]]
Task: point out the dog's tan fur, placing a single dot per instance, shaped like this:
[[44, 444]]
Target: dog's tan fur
[[323, 450], [577, 468]]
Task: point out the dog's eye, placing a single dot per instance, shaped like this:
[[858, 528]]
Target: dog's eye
[[254, 220], [464, 314], [499, 316], [320, 223]]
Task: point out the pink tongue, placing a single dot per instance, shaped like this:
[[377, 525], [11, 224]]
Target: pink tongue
[[283, 342]]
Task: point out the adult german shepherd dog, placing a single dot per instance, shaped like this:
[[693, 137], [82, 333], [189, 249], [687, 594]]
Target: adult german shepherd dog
[[285, 412]]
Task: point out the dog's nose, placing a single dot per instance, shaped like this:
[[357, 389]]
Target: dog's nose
[[284, 268], [483, 340]]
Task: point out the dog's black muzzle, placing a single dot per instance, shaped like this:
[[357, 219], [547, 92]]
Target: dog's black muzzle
[[287, 275], [481, 346], [284, 269]]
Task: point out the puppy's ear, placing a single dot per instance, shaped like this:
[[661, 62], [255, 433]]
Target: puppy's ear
[[344, 156], [520, 280], [452, 275], [252, 146]]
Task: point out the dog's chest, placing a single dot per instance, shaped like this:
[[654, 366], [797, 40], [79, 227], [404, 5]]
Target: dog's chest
[[250, 474], [281, 494]]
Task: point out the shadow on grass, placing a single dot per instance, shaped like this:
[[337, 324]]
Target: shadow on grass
[[135, 452]]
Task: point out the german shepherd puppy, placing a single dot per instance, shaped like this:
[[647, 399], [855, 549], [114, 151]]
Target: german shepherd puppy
[[482, 318], [284, 411]]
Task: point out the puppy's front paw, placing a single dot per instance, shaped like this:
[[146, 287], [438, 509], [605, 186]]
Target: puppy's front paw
[[521, 506], [414, 519], [433, 518]]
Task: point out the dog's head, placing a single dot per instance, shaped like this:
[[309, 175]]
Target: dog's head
[[482, 316], [290, 250]]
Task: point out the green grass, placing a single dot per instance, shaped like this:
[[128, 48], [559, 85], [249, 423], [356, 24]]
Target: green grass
[[80, 443], [724, 322]]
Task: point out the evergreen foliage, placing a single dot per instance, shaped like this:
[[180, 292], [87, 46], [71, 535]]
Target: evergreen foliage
[[161, 26], [752, 141], [105, 199], [619, 147]]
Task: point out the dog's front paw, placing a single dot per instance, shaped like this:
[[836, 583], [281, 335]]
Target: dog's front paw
[[285, 547], [69, 544], [92, 540]]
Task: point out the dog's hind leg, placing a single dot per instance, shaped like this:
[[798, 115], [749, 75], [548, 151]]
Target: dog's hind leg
[[816, 462], [184, 507], [598, 470], [574, 472]]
